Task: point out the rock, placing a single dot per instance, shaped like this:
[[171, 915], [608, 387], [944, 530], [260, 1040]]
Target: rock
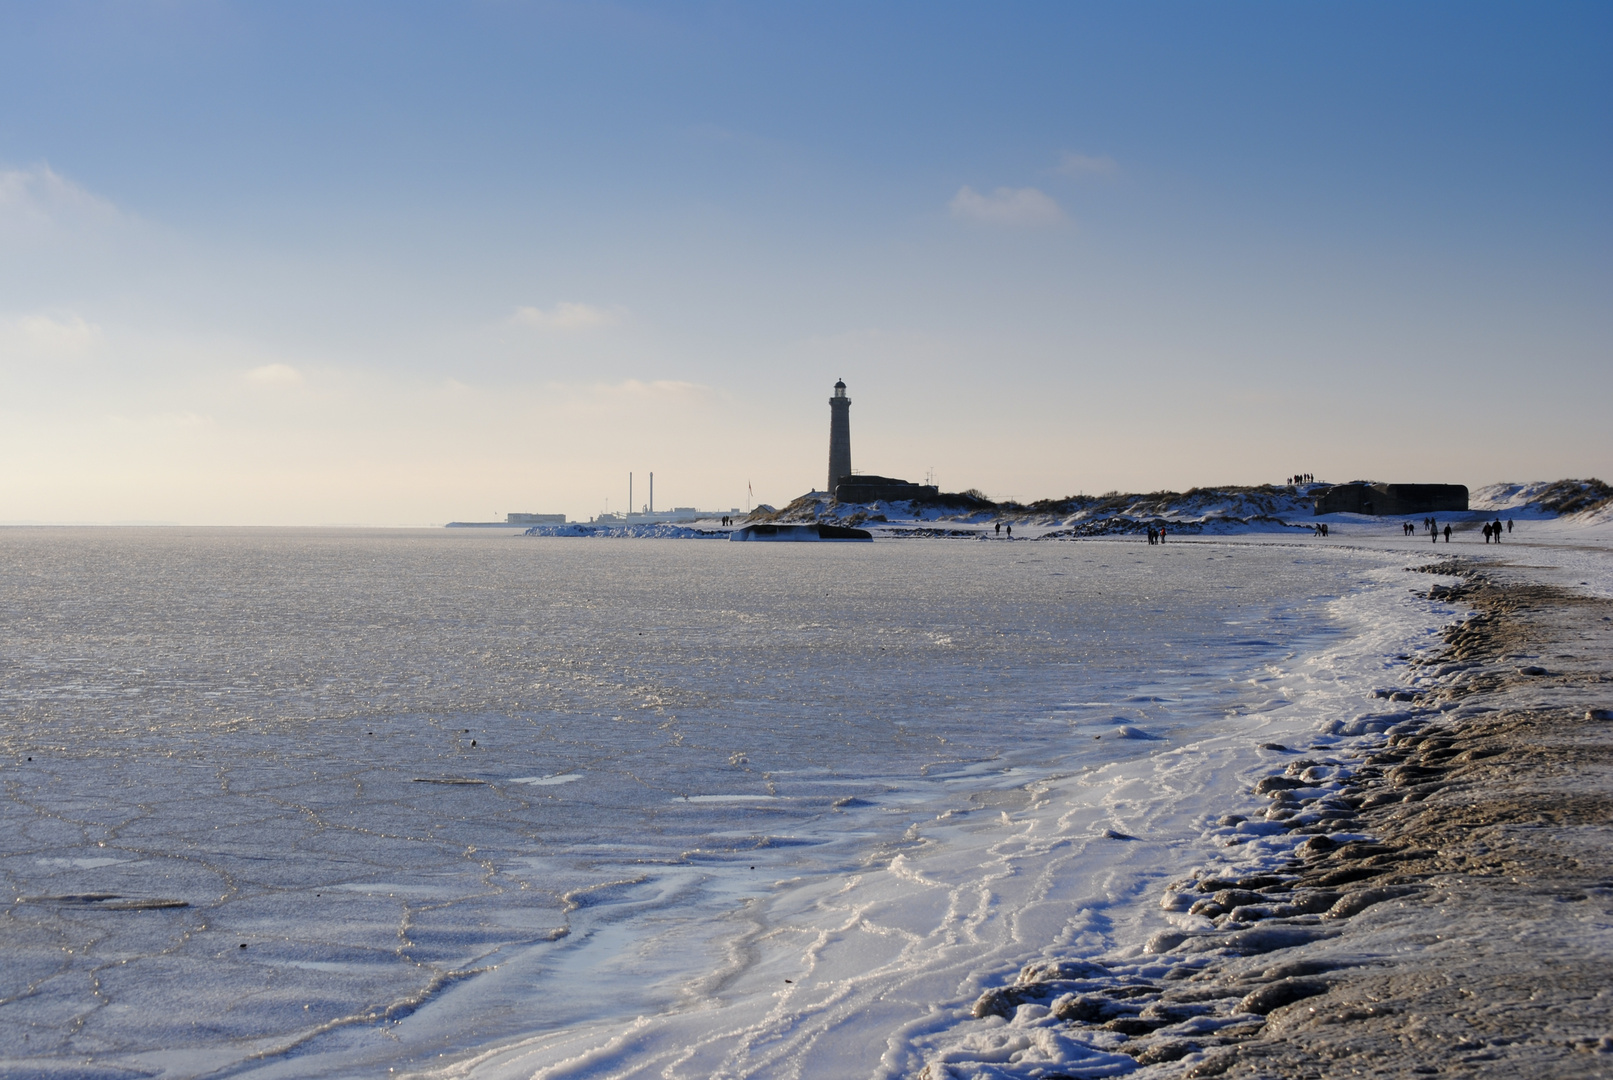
[[1402, 775], [1289, 969], [1002, 1001], [1247, 913], [1354, 903], [1164, 941], [1314, 903], [1163, 1050], [1211, 885], [1276, 995], [1316, 845], [1278, 783], [1346, 875], [1381, 798], [1174, 1012], [1532, 670], [1264, 939], [1231, 898], [1214, 1066], [1085, 1009], [1058, 970]]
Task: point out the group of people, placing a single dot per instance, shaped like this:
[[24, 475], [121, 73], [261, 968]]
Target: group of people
[[1302, 478], [1156, 534], [1492, 530], [728, 519], [1319, 529], [1000, 530]]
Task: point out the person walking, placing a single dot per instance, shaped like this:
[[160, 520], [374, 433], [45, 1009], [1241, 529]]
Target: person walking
[[1447, 534], [1495, 527], [1509, 525]]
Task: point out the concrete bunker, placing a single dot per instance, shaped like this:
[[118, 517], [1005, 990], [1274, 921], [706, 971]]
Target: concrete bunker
[[1392, 499]]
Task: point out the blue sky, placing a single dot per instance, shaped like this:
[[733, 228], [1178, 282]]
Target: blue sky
[[302, 263]]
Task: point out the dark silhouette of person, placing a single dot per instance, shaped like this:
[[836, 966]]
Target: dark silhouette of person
[[1162, 534], [1509, 524], [1496, 528], [1486, 532], [1447, 534], [1010, 532], [999, 528]]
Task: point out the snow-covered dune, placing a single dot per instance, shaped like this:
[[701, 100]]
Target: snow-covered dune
[[1541, 499]]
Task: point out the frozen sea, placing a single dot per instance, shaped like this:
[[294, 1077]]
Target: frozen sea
[[463, 803]]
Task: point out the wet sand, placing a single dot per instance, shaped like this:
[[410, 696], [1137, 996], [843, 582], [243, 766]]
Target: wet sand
[[1467, 932]]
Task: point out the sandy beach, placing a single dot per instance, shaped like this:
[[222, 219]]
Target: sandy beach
[[1452, 913]]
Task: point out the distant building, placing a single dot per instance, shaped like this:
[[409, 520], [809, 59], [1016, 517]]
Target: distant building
[[868, 488], [1392, 499], [534, 519]]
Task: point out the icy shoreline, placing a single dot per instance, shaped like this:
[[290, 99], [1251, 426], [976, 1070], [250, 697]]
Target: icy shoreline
[[1391, 937], [1064, 862]]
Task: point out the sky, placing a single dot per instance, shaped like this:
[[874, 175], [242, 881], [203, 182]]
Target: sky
[[407, 263]]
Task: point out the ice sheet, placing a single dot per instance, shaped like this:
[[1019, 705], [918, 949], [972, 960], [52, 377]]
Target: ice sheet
[[888, 774]]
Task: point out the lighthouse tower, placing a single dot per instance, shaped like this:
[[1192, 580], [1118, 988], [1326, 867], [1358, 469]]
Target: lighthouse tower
[[839, 436]]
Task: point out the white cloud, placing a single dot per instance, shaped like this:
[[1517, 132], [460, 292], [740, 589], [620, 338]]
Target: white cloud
[[565, 316], [49, 335], [1007, 206], [1082, 165], [38, 199], [274, 375]]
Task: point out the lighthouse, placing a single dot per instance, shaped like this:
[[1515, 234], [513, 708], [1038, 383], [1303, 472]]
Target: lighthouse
[[839, 436]]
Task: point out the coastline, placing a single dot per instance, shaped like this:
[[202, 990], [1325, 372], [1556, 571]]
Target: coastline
[[879, 966], [1450, 911]]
